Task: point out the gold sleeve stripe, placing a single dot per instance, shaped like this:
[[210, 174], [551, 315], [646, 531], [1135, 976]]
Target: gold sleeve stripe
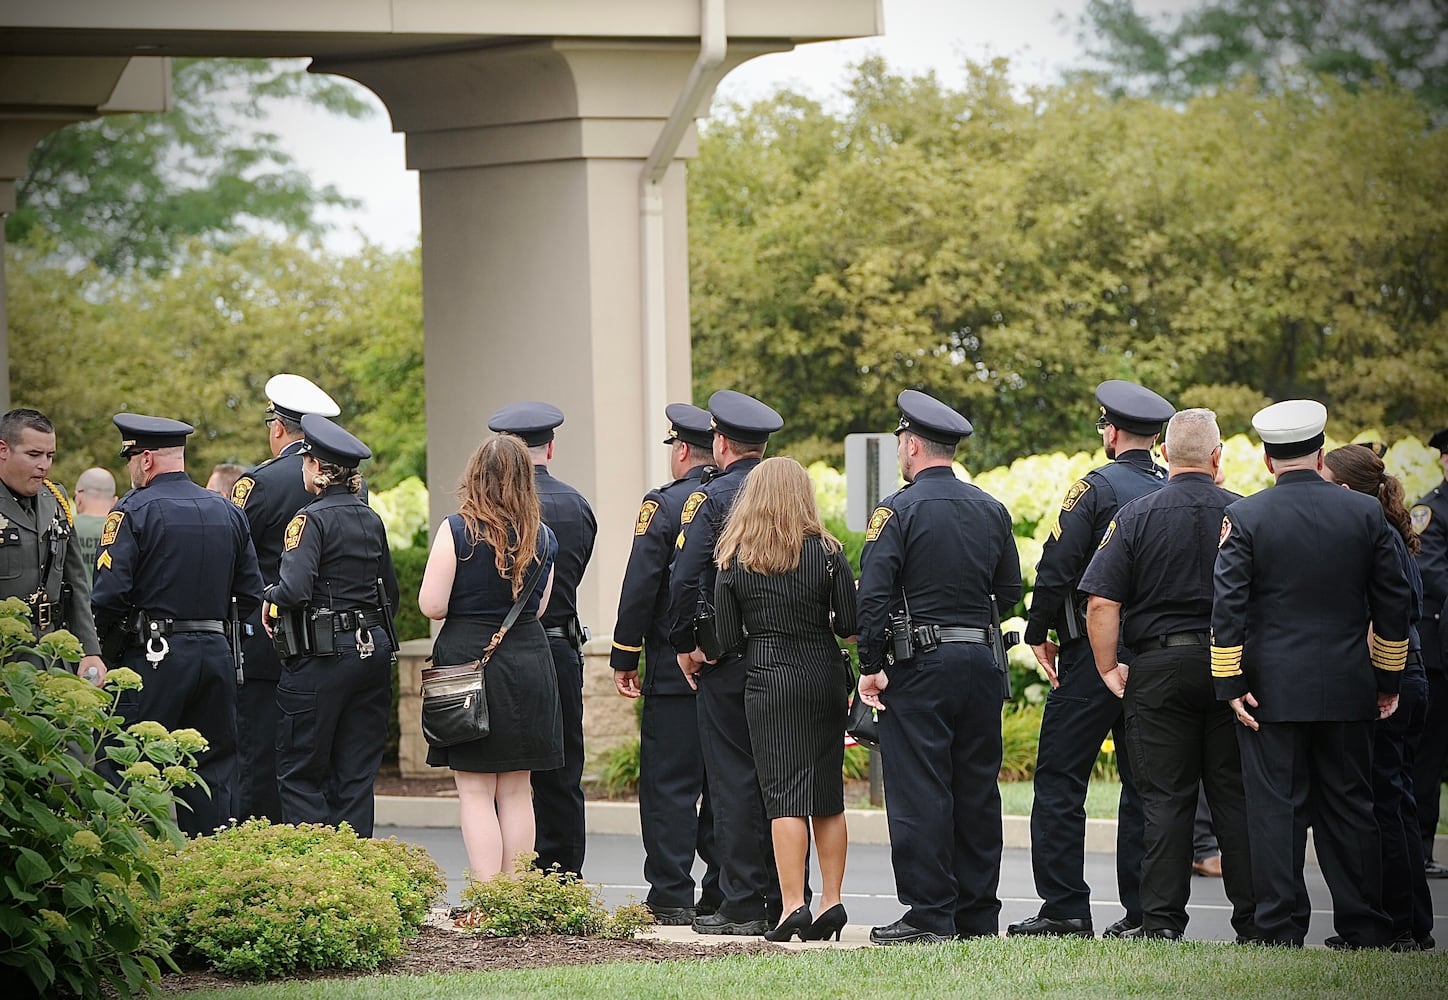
[[1388, 654], [1226, 661], [628, 649]]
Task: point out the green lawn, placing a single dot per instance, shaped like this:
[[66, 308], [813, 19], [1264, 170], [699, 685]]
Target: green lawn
[[996, 968], [1102, 797]]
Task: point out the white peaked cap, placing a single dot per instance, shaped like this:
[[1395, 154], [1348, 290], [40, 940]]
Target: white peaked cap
[[294, 395]]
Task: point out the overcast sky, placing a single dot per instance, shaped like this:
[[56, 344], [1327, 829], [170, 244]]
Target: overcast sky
[[365, 159]]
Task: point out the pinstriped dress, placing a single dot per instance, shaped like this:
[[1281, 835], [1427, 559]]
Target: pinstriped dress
[[795, 694]]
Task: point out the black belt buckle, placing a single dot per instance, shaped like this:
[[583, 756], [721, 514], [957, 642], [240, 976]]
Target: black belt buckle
[[44, 616]]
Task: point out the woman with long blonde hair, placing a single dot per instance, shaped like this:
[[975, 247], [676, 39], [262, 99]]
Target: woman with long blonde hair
[[481, 558], [784, 580]]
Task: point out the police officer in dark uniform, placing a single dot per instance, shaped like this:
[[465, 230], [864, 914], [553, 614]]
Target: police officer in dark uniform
[[671, 763], [558, 794], [1430, 521], [1081, 711], [332, 604], [175, 561], [748, 881], [1304, 573], [1156, 561], [936, 553], [40, 563], [270, 495]]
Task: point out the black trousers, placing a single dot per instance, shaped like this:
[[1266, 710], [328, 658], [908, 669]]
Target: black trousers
[[331, 731], [558, 794], [256, 719], [1181, 741], [193, 687], [1406, 896], [1432, 752], [748, 879], [1296, 773], [1079, 715], [940, 742], [674, 809]]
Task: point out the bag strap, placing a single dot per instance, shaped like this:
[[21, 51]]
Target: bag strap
[[513, 612]]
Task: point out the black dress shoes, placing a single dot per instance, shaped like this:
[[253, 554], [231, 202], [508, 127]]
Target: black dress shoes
[[672, 916], [718, 923], [1433, 869], [902, 933], [1140, 933], [1039, 926], [1120, 928]]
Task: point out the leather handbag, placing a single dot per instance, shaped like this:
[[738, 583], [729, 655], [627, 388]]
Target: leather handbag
[[455, 697], [863, 724]]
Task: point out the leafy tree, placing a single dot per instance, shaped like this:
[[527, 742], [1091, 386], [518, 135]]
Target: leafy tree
[[1352, 41], [128, 190]]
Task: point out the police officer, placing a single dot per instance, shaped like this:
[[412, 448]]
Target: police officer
[[1081, 710], [39, 561], [748, 882], [173, 558], [270, 495], [558, 794], [671, 763], [1430, 521], [1305, 573], [936, 553], [335, 592], [1155, 561]]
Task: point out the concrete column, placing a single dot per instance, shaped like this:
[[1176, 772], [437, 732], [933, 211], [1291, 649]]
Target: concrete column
[[530, 156]]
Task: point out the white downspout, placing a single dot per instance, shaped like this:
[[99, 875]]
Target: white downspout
[[713, 43]]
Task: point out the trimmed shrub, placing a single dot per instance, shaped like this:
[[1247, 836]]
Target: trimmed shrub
[[618, 769], [75, 851], [553, 902], [263, 900]]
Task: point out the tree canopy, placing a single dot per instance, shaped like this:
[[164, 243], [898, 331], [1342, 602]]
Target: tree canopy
[[1007, 251]]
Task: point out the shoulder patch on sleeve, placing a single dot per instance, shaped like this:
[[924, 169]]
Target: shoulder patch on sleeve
[[1078, 489], [294, 532], [111, 527], [61, 499], [691, 506], [877, 522], [1422, 516], [1226, 531], [241, 490], [647, 510], [1110, 530]]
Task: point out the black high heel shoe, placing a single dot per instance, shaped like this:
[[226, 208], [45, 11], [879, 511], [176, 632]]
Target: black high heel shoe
[[829, 924], [799, 921]]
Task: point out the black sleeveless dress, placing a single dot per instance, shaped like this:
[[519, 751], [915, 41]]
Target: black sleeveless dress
[[522, 688]]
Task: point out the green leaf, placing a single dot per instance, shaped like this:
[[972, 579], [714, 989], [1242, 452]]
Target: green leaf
[[32, 867]]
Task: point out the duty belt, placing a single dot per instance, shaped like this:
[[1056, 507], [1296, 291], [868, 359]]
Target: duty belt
[[170, 626], [349, 621], [1173, 639], [45, 614], [925, 634]]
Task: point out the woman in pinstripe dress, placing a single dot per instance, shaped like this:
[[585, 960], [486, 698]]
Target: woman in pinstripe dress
[[785, 584]]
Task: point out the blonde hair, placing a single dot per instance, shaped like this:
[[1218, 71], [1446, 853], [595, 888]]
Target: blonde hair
[[772, 516], [498, 501]]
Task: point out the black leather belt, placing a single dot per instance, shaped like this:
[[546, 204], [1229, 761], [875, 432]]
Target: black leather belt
[[558, 633], [45, 614], [1173, 639], [349, 621], [174, 625], [952, 633]]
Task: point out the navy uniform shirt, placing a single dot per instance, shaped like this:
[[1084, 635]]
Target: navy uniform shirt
[[1302, 569], [270, 495], [643, 604], [1157, 557], [174, 550], [571, 518], [700, 523], [333, 553], [948, 546], [1430, 521], [1086, 512]]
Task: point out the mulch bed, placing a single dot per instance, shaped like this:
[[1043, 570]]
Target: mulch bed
[[443, 951]]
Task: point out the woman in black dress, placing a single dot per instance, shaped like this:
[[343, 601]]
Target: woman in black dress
[[784, 581], [333, 701], [479, 562]]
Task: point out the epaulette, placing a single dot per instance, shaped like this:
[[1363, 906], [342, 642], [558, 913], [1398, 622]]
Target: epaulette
[[61, 499]]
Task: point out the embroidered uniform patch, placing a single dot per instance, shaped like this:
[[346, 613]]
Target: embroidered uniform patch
[[877, 523], [1110, 530], [1226, 531], [646, 514], [242, 490], [1422, 516], [112, 527], [1078, 489], [294, 532], [691, 506]]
